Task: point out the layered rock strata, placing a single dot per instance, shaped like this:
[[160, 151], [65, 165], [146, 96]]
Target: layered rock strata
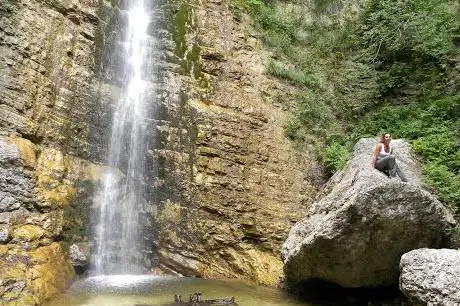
[[431, 277], [42, 198], [230, 185], [356, 232], [53, 119], [227, 182]]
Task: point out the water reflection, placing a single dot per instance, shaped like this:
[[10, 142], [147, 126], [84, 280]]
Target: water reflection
[[130, 290], [127, 290]]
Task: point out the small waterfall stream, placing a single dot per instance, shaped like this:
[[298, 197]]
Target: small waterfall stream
[[120, 199]]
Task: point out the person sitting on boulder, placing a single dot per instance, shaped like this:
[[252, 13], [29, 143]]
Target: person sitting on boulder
[[384, 160]]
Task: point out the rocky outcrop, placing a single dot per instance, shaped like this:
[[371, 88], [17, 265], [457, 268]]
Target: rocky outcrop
[[30, 276], [54, 108], [49, 91], [79, 255], [230, 184], [219, 168], [355, 234], [431, 277], [39, 192]]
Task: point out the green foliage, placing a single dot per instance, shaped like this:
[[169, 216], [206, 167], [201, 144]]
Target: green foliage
[[389, 69], [291, 74], [409, 41], [284, 24], [396, 29], [335, 156], [446, 182]]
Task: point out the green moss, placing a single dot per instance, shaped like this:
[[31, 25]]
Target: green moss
[[8, 7], [192, 65], [77, 214], [113, 3], [201, 135], [187, 54], [182, 20]]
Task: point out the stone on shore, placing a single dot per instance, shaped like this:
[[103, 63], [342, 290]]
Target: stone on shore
[[431, 277]]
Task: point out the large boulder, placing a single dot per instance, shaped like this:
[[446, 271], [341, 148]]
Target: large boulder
[[355, 234], [431, 277]]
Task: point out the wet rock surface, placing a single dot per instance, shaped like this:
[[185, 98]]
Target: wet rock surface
[[431, 277], [54, 107], [79, 255], [355, 234], [229, 183], [38, 189]]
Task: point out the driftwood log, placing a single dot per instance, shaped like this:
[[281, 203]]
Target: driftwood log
[[196, 299]]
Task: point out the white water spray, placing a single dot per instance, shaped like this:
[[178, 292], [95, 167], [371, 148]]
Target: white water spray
[[120, 200]]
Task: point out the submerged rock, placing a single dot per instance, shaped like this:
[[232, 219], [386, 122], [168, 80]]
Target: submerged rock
[[356, 233], [431, 277]]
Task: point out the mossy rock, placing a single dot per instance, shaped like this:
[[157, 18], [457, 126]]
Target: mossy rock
[[27, 151], [28, 233]]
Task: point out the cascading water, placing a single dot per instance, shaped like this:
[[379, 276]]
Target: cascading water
[[120, 199]]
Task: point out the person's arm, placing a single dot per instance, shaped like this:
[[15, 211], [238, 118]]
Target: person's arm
[[375, 154]]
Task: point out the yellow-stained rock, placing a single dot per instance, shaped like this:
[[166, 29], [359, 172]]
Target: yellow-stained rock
[[261, 267], [27, 151], [170, 214], [266, 268], [28, 232], [37, 275], [59, 196], [56, 175], [51, 273], [50, 165]]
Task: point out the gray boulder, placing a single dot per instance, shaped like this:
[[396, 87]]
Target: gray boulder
[[355, 234], [79, 255], [431, 277]]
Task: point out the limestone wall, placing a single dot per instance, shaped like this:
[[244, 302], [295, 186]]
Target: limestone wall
[[52, 121], [224, 183], [230, 184]]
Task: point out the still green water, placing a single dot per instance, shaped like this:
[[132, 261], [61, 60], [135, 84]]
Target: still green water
[[130, 290]]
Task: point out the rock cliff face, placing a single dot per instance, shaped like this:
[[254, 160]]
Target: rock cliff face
[[51, 125], [40, 193], [229, 182], [225, 183]]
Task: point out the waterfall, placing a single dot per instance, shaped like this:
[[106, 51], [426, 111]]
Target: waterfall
[[121, 197]]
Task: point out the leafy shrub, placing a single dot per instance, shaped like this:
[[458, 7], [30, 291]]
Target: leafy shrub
[[446, 182], [335, 156], [291, 74]]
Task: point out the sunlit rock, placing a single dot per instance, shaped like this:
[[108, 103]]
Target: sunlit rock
[[355, 234], [431, 277], [79, 255]]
